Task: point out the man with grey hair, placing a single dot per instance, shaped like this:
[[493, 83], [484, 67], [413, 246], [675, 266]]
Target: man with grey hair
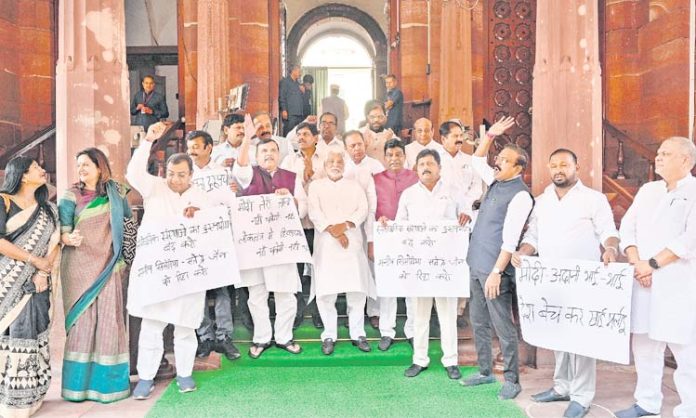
[[658, 236], [338, 207]]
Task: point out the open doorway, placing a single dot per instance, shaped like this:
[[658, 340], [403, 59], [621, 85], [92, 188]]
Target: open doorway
[[342, 60]]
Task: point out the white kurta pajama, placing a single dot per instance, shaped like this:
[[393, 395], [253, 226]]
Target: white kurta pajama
[[572, 227], [184, 312], [664, 314], [364, 178], [337, 269], [419, 204], [283, 280]]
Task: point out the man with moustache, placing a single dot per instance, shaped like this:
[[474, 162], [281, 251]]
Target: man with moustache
[[423, 135], [570, 220], [308, 165], [148, 106], [165, 199], [374, 133], [328, 131], [456, 168], [213, 335], [264, 130], [503, 213], [432, 199], [389, 185], [361, 168], [227, 152], [283, 280], [658, 236], [337, 208]]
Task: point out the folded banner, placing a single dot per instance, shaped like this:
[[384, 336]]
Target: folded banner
[[414, 259], [181, 256], [576, 306], [268, 232]]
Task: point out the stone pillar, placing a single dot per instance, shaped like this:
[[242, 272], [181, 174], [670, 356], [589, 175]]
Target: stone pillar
[[92, 90], [455, 90], [214, 60], [567, 90], [255, 47], [414, 50]]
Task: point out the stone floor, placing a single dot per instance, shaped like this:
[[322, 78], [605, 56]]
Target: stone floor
[[615, 384]]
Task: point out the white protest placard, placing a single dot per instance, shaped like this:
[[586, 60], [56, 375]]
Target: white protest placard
[[576, 306], [180, 256], [209, 180], [268, 232], [216, 184], [417, 259]]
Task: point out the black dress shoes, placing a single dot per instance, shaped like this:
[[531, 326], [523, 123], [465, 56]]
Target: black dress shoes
[[362, 344], [414, 370]]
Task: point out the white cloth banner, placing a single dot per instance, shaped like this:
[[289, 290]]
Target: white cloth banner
[[576, 306], [183, 255], [268, 232], [415, 259], [216, 183]]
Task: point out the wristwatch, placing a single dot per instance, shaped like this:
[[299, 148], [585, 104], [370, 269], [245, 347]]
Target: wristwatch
[[653, 263], [496, 270]]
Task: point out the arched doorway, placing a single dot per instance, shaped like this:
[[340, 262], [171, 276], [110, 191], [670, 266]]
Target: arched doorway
[[348, 23]]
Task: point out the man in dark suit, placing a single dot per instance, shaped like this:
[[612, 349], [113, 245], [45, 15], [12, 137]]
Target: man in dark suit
[[394, 105], [147, 105], [307, 100], [291, 100]]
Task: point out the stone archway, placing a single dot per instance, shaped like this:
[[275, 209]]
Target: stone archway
[[354, 14]]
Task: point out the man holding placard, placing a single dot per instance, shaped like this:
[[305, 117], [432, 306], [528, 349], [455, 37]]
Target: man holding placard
[[504, 211], [338, 208], [389, 185], [213, 179], [658, 235], [164, 199], [432, 199], [283, 279], [570, 220]]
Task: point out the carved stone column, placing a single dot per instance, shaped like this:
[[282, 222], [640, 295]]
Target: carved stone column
[[214, 59], [567, 89], [92, 91]]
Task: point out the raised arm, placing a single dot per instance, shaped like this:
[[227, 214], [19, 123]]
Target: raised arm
[[136, 173]]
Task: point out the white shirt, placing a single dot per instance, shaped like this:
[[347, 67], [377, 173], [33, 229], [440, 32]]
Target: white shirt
[[323, 147], [459, 170], [415, 147], [224, 150], [417, 203], [367, 164], [571, 227], [518, 209], [367, 183], [656, 220], [375, 147], [296, 163], [160, 202]]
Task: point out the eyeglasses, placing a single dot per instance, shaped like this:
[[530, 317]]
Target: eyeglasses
[[327, 123]]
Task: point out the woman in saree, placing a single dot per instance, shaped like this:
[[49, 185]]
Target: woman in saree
[[93, 276], [28, 246]]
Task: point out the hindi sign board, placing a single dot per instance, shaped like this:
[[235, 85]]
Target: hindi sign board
[[268, 232], [216, 184], [418, 259], [576, 306], [180, 256]]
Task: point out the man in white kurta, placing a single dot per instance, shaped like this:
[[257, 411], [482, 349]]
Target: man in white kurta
[[283, 279], [361, 168], [214, 335], [308, 165], [375, 132], [166, 199], [457, 169], [658, 235], [570, 220], [338, 208], [433, 199], [423, 135]]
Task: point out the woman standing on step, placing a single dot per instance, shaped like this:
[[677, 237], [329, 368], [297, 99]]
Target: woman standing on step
[[28, 246], [92, 212]]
